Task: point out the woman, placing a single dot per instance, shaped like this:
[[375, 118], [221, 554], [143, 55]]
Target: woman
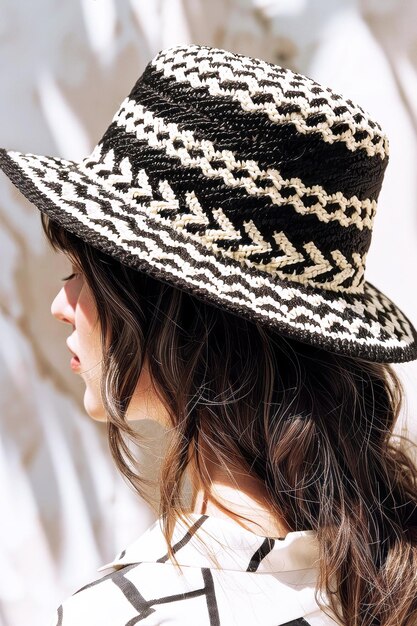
[[217, 236]]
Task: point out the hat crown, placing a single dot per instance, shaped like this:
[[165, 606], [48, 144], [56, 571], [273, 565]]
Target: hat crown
[[257, 163]]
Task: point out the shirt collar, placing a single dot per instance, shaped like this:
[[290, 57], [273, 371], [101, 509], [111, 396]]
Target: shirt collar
[[228, 546]]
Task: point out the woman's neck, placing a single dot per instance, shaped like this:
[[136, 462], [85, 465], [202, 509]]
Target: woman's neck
[[258, 520], [243, 495]]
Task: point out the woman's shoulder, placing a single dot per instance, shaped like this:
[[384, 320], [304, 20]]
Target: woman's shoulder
[[234, 578], [156, 594]]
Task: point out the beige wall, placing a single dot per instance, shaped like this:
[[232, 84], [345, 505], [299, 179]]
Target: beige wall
[[64, 69]]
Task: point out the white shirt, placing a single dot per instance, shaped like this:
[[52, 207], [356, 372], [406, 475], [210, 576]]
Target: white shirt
[[256, 581]]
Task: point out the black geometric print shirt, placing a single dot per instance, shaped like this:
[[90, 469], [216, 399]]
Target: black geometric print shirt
[[256, 581]]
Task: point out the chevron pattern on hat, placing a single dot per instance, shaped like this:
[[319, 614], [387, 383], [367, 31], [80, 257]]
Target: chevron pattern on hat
[[244, 183]]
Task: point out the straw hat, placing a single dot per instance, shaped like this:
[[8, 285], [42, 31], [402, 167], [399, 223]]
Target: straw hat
[[246, 184]]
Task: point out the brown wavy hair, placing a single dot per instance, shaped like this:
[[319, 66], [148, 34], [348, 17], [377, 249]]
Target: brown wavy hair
[[315, 427]]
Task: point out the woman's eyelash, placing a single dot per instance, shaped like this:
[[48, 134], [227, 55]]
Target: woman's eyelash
[[70, 277]]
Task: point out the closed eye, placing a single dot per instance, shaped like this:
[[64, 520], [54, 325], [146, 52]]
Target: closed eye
[[70, 277]]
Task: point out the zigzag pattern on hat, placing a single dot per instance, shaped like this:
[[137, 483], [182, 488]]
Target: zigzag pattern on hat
[[84, 199], [311, 262], [244, 184], [154, 130], [245, 80]]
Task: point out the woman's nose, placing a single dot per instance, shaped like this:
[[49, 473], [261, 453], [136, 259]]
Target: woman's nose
[[61, 308]]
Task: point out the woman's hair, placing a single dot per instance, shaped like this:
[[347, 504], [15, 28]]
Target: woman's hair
[[315, 427]]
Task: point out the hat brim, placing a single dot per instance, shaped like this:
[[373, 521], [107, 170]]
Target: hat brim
[[368, 325]]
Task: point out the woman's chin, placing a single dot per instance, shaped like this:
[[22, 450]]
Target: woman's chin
[[94, 407]]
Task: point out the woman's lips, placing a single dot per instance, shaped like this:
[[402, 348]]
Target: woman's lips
[[75, 363]]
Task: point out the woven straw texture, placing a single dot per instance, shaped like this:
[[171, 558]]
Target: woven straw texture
[[243, 183]]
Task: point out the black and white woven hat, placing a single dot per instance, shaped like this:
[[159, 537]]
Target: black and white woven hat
[[243, 183]]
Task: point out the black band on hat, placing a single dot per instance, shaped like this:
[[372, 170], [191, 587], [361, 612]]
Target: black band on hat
[[243, 183]]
